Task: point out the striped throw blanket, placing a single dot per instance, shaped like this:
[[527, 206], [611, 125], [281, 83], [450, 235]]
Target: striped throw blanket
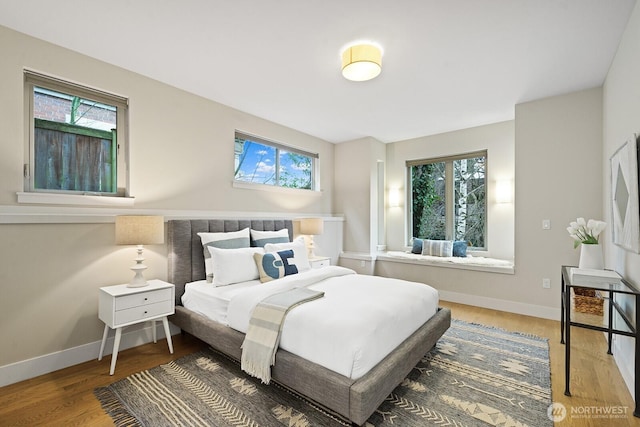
[[263, 336]]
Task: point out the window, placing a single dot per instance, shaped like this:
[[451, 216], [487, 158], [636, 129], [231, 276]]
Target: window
[[77, 139], [448, 198], [260, 161]]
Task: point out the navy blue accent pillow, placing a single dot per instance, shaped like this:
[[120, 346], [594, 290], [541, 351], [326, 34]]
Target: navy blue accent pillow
[[275, 265], [417, 246], [460, 249], [288, 268]]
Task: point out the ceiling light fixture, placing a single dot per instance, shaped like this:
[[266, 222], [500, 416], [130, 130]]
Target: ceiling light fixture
[[361, 62]]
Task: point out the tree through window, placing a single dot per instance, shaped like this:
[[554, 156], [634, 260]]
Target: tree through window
[[448, 198]]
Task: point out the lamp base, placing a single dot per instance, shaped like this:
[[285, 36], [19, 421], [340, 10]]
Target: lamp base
[[311, 247], [138, 280], [131, 285]]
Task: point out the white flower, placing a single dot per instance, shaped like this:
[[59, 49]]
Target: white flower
[[572, 233], [585, 232], [596, 227]]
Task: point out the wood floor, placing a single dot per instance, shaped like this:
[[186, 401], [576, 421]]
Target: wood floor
[[65, 397]]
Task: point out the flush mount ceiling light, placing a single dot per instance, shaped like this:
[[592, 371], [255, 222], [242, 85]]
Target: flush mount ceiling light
[[361, 62]]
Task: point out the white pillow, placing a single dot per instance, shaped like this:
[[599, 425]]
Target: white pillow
[[261, 238], [224, 240], [234, 265], [300, 258]]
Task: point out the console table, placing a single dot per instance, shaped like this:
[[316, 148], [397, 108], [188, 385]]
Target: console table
[[613, 321]]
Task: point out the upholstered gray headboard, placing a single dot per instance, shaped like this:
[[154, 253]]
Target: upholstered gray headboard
[[185, 256]]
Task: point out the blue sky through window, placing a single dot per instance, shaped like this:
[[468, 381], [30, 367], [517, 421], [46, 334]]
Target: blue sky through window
[[258, 163], [264, 164]]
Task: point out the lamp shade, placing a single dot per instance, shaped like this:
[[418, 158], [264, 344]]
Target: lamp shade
[[361, 62], [311, 226], [139, 230]]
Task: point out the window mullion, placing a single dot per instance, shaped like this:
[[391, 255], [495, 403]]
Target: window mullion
[[30, 181], [449, 200], [278, 167]]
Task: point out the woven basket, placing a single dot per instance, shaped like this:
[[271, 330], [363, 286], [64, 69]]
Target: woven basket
[[587, 301]]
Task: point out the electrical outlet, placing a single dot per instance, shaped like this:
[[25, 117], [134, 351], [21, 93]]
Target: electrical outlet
[[546, 224], [546, 283]]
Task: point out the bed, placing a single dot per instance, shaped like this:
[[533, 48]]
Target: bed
[[354, 399]]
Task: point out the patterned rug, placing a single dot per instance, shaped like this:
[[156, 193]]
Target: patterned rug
[[475, 376]]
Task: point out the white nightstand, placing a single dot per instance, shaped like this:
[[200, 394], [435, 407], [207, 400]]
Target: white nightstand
[[319, 261], [120, 306]]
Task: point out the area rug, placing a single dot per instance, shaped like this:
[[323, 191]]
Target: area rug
[[474, 376]]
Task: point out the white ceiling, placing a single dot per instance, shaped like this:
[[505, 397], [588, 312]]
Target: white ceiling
[[447, 64]]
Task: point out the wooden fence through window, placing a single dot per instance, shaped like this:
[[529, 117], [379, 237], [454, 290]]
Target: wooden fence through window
[[74, 158]]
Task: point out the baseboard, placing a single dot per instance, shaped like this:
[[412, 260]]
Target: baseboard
[[30, 368], [502, 305], [624, 360]]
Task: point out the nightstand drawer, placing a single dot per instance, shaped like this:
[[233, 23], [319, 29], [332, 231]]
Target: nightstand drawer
[[320, 262], [141, 313], [142, 299]]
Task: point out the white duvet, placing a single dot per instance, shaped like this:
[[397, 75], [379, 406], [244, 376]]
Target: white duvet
[[354, 326]]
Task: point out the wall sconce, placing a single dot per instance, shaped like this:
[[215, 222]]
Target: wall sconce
[[139, 230], [394, 197], [311, 227], [504, 192]]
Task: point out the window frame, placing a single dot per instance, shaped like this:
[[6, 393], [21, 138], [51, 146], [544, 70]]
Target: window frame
[[314, 157], [449, 192], [31, 194]]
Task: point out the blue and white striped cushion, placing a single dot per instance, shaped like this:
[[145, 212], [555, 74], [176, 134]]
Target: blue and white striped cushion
[[437, 247], [222, 240], [261, 238]]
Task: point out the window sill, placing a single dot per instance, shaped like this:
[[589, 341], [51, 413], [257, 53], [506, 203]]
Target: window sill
[[275, 189], [73, 199], [489, 265]]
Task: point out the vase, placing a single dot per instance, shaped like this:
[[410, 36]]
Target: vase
[[591, 257]]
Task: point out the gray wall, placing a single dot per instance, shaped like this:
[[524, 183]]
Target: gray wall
[[356, 192], [181, 164], [551, 135], [621, 105], [558, 177], [497, 139]]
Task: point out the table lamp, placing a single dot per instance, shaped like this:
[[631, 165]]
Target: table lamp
[[139, 230], [311, 227]]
